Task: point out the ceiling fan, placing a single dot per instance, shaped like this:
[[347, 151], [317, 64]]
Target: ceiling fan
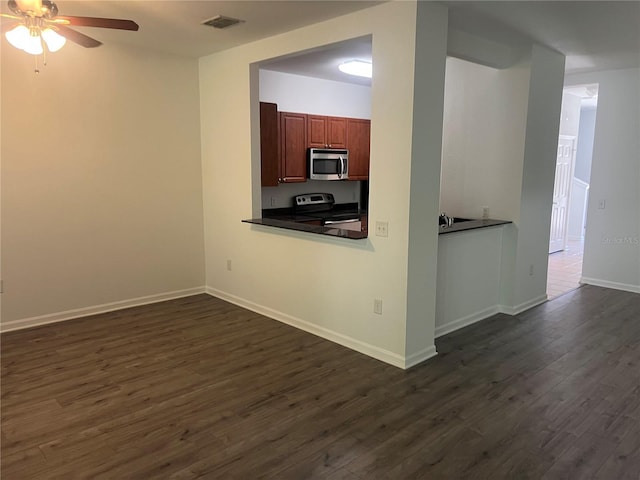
[[39, 26]]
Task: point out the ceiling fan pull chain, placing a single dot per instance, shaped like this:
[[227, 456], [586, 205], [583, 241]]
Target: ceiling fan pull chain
[[35, 57], [44, 51]]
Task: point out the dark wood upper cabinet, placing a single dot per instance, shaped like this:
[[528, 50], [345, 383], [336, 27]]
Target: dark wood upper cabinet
[[317, 131], [337, 132], [269, 144], [293, 144], [358, 143], [326, 132], [285, 137]]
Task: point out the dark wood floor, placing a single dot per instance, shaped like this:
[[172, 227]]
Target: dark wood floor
[[199, 388]]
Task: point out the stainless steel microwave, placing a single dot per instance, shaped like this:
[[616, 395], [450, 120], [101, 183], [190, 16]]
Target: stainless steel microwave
[[328, 164]]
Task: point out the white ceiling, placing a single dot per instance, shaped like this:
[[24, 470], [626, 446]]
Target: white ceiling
[[594, 35], [323, 63], [175, 26]]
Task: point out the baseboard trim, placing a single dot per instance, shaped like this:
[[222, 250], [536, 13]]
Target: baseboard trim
[[534, 302], [486, 313], [613, 285], [378, 353], [466, 321], [417, 358], [96, 309]]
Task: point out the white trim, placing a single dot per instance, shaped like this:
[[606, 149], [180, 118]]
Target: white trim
[[370, 350], [614, 285], [419, 357], [459, 323], [466, 321], [93, 310], [523, 306]]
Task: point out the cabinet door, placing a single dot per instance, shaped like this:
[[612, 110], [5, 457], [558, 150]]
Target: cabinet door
[[358, 135], [317, 131], [293, 132], [336, 132], [269, 144]]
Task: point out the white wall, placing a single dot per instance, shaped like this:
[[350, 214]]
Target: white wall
[[612, 242], [586, 132], [324, 285], [297, 93], [570, 126], [570, 114], [577, 209], [483, 140], [101, 181], [541, 142], [582, 171], [426, 153]]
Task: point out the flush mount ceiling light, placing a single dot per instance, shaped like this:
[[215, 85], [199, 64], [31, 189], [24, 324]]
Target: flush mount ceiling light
[[360, 68]]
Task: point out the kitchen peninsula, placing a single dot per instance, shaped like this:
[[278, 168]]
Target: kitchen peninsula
[[318, 213], [309, 228], [471, 276], [470, 224], [289, 219]]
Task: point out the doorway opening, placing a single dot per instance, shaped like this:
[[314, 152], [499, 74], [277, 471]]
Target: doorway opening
[[571, 189]]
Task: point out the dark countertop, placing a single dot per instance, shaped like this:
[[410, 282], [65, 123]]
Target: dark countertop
[[306, 227], [472, 225], [287, 219]]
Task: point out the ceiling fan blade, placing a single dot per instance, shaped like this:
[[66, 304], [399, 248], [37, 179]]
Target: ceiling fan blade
[[100, 22], [8, 15], [77, 37]]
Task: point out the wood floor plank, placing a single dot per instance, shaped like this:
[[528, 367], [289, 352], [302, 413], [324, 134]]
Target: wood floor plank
[[199, 388]]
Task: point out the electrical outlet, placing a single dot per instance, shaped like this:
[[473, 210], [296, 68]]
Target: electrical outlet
[[531, 270], [485, 212], [229, 265], [377, 306], [602, 204], [382, 229], [274, 201]]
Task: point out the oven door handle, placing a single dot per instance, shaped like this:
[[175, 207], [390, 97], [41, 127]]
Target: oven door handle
[[341, 172], [333, 222]]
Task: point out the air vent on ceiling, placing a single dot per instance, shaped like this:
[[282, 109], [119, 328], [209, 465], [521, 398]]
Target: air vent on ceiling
[[220, 21]]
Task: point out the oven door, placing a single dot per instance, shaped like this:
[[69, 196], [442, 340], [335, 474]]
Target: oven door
[[328, 164]]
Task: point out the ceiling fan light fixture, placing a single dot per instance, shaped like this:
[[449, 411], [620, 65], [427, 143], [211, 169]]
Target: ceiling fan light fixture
[[54, 40], [22, 37], [359, 68]]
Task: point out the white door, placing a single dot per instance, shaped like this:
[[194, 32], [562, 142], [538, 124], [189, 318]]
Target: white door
[[561, 191]]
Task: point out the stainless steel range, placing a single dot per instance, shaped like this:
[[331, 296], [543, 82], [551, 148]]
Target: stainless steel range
[[323, 207]]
